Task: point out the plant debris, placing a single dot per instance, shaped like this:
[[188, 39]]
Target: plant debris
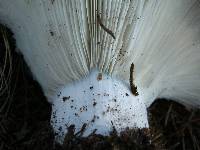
[[174, 126], [132, 85], [99, 21]]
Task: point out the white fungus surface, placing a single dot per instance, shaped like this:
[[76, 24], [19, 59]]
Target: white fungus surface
[[62, 41], [101, 104]]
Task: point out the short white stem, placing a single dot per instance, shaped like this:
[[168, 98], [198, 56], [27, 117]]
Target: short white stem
[[101, 104]]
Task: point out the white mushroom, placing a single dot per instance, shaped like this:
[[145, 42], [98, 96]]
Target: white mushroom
[[70, 45]]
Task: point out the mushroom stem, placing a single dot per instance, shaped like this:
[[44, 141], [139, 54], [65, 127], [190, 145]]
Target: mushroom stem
[[100, 104]]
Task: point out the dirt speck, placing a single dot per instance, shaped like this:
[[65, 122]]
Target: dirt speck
[[65, 98], [99, 77]]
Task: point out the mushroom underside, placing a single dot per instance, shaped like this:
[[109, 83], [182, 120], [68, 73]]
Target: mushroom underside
[[64, 41]]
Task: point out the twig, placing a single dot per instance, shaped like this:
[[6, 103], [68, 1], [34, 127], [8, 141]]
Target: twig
[[157, 137], [82, 130], [168, 112], [132, 85], [174, 146], [99, 21], [194, 140]]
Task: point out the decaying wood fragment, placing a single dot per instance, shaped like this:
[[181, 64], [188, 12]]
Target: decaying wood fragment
[[132, 85], [99, 21]]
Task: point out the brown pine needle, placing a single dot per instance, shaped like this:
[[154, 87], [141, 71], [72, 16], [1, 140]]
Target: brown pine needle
[[168, 113], [99, 21]]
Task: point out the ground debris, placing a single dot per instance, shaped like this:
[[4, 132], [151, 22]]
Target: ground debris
[[128, 139], [131, 80], [174, 126]]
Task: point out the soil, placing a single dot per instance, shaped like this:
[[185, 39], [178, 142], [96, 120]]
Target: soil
[[25, 116]]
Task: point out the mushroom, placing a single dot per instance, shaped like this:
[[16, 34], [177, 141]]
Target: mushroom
[[101, 63]]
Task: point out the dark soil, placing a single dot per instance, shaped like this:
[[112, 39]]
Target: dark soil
[[25, 115], [174, 126]]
